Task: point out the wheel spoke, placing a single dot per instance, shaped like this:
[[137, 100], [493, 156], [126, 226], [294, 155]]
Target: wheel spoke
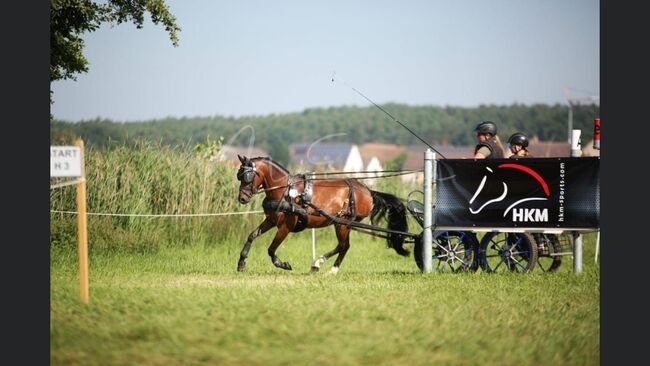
[[439, 264], [451, 264], [496, 246], [498, 265], [519, 264], [540, 264], [457, 245], [442, 247]]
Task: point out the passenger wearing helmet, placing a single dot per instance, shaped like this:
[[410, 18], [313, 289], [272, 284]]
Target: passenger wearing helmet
[[518, 144], [489, 146]]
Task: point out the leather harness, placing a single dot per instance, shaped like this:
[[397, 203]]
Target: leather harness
[[294, 202]]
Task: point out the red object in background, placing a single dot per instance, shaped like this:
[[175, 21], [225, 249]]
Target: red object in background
[[597, 133]]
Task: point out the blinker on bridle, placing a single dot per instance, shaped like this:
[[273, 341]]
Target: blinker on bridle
[[246, 175]]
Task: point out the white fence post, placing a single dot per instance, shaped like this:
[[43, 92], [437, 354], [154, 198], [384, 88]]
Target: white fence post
[[577, 237], [313, 244], [429, 158]]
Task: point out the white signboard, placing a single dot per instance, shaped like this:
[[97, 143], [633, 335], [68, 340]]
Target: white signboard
[[65, 161]]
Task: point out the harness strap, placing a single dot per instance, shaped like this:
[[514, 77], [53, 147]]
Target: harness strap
[[361, 225], [289, 208], [308, 191], [353, 206]]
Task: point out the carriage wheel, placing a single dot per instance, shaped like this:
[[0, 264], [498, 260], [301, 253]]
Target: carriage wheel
[[549, 248], [452, 251], [503, 252]]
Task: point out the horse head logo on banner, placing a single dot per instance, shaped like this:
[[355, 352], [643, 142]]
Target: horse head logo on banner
[[506, 192]]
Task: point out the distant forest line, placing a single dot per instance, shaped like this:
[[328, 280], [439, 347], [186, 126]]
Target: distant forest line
[[436, 125]]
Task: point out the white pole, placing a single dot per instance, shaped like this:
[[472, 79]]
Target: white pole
[[576, 145], [577, 237], [313, 244], [570, 122], [597, 247], [429, 158]]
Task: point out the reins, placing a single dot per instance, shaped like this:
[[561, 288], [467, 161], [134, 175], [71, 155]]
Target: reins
[[397, 173]]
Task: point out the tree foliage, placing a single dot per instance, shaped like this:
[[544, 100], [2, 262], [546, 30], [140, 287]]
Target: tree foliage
[[397, 162], [70, 19], [436, 125]]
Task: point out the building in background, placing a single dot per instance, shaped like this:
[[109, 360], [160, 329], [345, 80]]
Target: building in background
[[326, 157], [373, 169]]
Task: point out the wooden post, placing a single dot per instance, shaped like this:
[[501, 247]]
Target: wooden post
[[82, 227]]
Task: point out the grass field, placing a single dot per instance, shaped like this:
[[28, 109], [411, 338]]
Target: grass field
[[187, 305]]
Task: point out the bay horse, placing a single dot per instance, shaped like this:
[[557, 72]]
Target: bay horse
[[293, 203]]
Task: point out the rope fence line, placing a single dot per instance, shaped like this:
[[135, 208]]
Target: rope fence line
[[82, 179], [160, 215]]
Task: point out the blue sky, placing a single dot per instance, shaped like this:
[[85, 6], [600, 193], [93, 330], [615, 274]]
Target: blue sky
[[244, 57]]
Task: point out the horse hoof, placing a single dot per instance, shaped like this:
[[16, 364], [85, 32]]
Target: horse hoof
[[241, 268], [287, 266], [314, 269]]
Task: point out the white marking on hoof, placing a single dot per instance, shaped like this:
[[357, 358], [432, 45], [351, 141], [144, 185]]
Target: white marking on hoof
[[334, 270], [318, 262]]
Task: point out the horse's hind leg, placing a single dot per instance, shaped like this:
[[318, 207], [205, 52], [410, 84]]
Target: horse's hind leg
[[343, 235], [261, 229], [282, 233]]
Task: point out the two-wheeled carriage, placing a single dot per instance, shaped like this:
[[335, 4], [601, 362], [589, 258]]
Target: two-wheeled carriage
[[496, 251]]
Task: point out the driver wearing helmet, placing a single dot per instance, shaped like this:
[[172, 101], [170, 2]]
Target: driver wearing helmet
[[489, 146], [518, 144]]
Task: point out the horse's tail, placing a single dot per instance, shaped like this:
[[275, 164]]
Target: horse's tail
[[383, 203]]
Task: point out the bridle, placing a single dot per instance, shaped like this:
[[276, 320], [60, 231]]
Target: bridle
[[246, 175]]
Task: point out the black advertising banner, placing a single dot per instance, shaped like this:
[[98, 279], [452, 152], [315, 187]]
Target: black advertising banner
[[547, 193]]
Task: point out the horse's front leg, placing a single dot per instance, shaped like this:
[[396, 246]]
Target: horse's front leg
[[282, 233], [261, 229]]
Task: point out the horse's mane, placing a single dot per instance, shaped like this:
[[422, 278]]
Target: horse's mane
[[272, 161]]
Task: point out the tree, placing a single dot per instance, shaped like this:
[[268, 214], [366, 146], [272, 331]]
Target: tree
[[69, 19], [397, 162]]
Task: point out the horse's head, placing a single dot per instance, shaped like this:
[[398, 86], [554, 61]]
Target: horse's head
[[260, 172], [249, 179]]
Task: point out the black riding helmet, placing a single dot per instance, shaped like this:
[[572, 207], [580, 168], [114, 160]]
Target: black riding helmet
[[518, 138], [487, 127]]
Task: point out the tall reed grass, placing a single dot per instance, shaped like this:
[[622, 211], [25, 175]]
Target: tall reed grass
[[151, 178]]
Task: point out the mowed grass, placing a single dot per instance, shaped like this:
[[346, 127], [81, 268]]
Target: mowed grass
[[187, 305]]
